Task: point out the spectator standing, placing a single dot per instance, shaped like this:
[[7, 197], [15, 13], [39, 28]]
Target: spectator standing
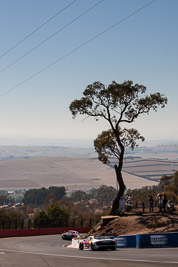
[[160, 201], [150, 199], [122, 205], [129, 202]]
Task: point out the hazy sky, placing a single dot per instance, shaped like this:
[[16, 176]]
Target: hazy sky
[[65, 45]]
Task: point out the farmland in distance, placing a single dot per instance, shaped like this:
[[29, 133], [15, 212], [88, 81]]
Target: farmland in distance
[[79, 168]]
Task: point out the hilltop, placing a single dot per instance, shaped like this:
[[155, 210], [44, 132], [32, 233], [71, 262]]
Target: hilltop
[[131, 224]]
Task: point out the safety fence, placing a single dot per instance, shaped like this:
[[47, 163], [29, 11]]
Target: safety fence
[[46, 223], [145, 208]]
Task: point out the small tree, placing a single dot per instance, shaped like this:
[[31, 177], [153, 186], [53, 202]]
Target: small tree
[[54, 211], [117, 104], [166, 180]]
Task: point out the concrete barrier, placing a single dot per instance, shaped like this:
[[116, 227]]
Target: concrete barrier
[[75, 243], [126, 241], [161, 240], [42, 231]]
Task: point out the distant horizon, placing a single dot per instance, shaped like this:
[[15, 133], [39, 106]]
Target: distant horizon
[[21, 140], [47, 62]]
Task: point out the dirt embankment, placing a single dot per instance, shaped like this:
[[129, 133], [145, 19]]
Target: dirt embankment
[[131, 223]]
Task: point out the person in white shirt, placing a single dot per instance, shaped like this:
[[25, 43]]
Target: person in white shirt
[[122, 204]]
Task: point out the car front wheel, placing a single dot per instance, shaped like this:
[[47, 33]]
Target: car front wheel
[[81, 246]]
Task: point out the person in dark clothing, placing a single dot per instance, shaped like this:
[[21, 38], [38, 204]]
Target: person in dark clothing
[[150, 199]]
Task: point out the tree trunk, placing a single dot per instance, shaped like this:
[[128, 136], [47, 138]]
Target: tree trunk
[[120, 193]]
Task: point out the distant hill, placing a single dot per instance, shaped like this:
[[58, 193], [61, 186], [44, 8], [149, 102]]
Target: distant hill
[[23, 167], [80, 173], [17, 152]]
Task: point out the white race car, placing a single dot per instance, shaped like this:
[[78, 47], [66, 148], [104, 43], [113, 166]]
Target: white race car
[[97, 243]]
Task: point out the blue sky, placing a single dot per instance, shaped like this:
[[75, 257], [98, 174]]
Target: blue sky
[[142, 47]]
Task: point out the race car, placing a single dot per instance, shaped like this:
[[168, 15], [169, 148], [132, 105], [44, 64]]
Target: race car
[[97, 243], [69, 235]]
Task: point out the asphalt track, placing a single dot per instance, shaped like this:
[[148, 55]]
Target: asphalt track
[[52, 251]]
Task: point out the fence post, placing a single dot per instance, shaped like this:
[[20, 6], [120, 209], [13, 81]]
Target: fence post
[[35, 223], [47, 223], [16, 224], [29, 223], [81, 223], [22, 226], [143, 206], [3, 224], [73, 224], [90, 223], [9, 224]]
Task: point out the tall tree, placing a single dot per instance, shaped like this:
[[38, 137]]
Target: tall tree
[[117, 104]]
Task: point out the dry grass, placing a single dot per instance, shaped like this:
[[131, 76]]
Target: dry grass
[[138, 224], [79, 173]]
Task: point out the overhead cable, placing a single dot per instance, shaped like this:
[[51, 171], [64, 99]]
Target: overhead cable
[[77, 48], [51, 36], [37, 29]]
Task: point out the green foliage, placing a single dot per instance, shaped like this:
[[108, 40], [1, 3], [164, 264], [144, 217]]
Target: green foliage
[[105, 196], [41, 215], [166, 180], [7, 214], [4, 199], [78, 196], [141, 195], [175, 179], [100, 198], [116, 104], [54, 211], [50, 199], [171, 196], [106, 144], [51, 218], [38, 196], [170, 184], [10, 216], [58, 192]]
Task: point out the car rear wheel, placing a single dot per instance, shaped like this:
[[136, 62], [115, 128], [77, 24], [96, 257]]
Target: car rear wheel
[[92, 247], [113, 248]]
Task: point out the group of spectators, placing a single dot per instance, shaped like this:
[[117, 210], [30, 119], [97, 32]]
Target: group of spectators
[[125, 204], [163, 204], [161, 199]]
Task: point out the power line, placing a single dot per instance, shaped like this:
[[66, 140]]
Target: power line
[[51, 36], [37, 29], [77, 48]]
